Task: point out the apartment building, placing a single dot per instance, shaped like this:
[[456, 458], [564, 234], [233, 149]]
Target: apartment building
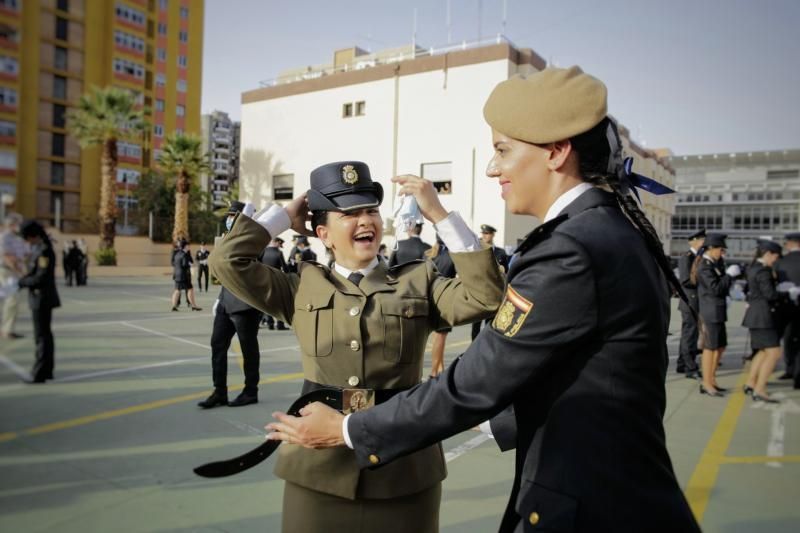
[[220, 136], [746, 195], [406, 110], [52, 52]]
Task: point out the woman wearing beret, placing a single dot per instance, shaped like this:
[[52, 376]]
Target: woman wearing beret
[[760, 319], [713, 283], [578, 346], [361, 325]]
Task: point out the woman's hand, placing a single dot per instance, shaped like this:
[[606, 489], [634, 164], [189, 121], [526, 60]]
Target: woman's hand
[[426, 195], [299, 214], [318, 427]]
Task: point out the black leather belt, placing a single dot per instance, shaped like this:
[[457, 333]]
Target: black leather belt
[[343, 400]]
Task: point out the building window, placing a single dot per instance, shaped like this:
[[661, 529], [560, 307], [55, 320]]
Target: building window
[[178, 131], [59, 116], [57, 173], [347, 110], [125, 149], [125, 175], [56, 202], [9, 65], [127, 40], [60, 87], [62, 5], [8, 97], [182, 61], [162, 28], [183, 36], [184, 12], [129, 68], [180, 111], [441, 174], [782, 174], [11, 5], [159, 104], [162, 4], [61, 28], [8, 160], [162, 54], [158, 130], [8, 129], [128, 14], [181, 86], [58, 145], [161, 79], [361, 108], [283, 186], [60, 58]]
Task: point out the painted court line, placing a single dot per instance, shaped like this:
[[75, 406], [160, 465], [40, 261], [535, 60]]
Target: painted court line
[[14, 367], [167, 335], [471, 444]]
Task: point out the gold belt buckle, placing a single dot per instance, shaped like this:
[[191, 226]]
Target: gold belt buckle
[[357, 400]]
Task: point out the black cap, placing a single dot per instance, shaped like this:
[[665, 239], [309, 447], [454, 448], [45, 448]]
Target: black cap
[[699, 234], [31, 228], [343, 186], [182, 243], [302, 239], [278, 239], [486, 228], [236, 207], [769, 246], [794, 236], [715, 240]]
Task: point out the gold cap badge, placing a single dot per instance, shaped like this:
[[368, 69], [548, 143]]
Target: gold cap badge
[[349, 175]]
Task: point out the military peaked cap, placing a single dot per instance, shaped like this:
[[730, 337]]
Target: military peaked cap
[[236, 207], [716, 240], [343, 186], [486, 228], [794, 236], [699, 234], [769, 246]]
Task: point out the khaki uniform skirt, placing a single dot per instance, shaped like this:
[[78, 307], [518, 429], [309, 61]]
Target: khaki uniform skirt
[[309, 511]]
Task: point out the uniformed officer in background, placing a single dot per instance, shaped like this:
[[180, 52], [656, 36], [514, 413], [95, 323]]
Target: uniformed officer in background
[[487, 238], [182, 275], [411, 249], [361, 326], [42, 298], [202, 266], [788, 271], [688, 350], [273, 256], [579, 345]]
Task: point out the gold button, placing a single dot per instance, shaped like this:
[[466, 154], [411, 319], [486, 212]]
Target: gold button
[[374, 459], [354, 311], [534, 518], [309, 307], [354, 345], [352, 381]]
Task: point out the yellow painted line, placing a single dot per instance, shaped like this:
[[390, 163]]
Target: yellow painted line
[[83, 420], [238, 349], [758, 459], [7, 436], [704, 477]]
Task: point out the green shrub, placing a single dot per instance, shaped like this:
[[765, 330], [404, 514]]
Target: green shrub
[[106, 256]]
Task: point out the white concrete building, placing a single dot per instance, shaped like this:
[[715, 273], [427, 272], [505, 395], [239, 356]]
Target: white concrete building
[[220, 141], [400, 111], [745, 195]]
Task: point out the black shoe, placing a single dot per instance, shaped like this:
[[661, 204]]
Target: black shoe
[[747, 389], [786, 375], [765, 399], [680, 369], [717, 394], [174, 307], [281, 327], [720, 389], [31, 381], [13, 336], [693, 375], [270, 327], [197, 308], [216, 398], [243, 399]]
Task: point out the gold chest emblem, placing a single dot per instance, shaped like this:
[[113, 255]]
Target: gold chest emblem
[[504, 316], [349, 175]]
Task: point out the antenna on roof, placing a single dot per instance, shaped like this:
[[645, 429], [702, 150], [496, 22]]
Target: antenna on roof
[[505, 12], [414, 36], [448, 22]]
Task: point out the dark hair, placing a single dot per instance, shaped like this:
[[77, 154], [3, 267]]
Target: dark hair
[[594, 152], [318, 218], [696, 264]]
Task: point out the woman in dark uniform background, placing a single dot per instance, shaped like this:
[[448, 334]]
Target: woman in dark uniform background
[[361, 326], [439, 254], [760, 319], [42, 298], [713, 284]]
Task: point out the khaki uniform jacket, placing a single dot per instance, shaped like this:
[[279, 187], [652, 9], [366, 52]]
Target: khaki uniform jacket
[[375, 332]]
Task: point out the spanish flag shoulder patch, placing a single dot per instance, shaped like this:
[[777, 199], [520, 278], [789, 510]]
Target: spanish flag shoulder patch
[[512, 313]]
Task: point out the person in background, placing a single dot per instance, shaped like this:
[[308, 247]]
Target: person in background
[[273, 256], [444, 264], [688, 350], [487, 238], [788, 271], [411, 249], [713, 284], [83, 268], [383, 254], [42, 298], [73, 263], [15, 252], [202, 266], [760, 318], [182, 274]]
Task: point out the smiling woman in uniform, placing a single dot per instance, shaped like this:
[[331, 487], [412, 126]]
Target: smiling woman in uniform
[[362, 326]]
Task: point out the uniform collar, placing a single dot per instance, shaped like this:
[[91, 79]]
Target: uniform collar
[[376, 279], [345, 272], [565, 199], [693, 250]]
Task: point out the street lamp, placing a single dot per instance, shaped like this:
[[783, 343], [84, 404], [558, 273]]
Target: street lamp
[[125, 208]]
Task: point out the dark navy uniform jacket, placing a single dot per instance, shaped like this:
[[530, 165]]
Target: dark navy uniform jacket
[[41, 280], [409, 250], [685, 263], [788, 268], [579, 348], [762, 297], [713, 285], [181, 266]]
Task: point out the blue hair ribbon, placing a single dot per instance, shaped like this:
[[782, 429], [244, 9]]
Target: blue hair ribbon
[[634, 181]]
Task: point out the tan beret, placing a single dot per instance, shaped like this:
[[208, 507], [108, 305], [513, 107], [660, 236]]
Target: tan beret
[[547, 106]]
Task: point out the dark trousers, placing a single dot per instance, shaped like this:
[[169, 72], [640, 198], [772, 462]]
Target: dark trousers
[[45, 346], [791, 348], [476, 327], [688, 347], [271, 322], [69, 274], [245, 326], [202, 270]]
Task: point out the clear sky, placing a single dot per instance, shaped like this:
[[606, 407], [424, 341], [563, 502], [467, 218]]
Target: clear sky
[[696, 76]]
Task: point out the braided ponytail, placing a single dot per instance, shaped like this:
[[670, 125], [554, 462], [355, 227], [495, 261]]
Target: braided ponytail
[[597, 166]]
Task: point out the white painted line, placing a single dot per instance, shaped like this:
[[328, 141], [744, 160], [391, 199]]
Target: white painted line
[[14, 367], [140, 295], [472, 443], [79, 377], [160, 334]]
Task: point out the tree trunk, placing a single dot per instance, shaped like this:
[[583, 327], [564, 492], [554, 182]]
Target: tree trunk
[[108, 194], [181, 226]]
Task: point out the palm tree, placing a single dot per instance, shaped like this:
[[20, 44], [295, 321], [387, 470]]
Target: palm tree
[[182, 158], [103, 116]]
